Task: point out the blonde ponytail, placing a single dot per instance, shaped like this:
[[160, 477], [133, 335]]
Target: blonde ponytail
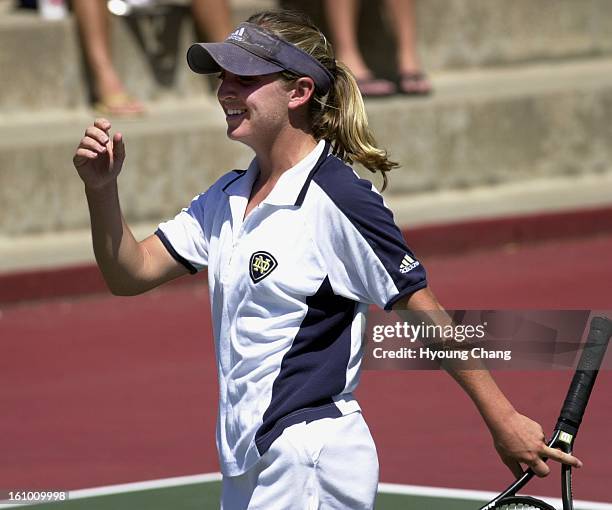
[[338, 116], [343, 121]]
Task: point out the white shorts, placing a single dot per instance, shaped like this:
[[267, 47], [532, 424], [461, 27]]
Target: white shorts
[[325, 464]]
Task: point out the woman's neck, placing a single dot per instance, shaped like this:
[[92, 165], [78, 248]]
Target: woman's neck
[[276, 159], [284, 153]]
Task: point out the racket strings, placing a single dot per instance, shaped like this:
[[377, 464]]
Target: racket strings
[[522, 503], [520, 506]]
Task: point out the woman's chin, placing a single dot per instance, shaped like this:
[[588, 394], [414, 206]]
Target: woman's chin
[[232, 134], [237, 134]]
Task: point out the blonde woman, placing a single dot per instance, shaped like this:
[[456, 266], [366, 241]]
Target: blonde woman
[[297, 247]]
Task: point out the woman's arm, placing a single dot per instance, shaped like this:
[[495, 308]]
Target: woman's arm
[[129, 267], [517, 438]]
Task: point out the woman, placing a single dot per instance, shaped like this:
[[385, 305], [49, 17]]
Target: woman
[[296, 248]]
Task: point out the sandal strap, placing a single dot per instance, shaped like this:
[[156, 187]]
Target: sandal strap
[[413, 76]]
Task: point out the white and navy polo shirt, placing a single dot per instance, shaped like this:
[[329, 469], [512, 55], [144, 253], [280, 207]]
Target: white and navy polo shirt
[[289, 289]]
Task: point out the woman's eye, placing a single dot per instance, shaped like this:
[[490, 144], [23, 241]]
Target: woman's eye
[[247, 79], [243, 80]]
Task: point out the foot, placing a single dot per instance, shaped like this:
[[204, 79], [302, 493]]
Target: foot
[[119, 105], [370, 86], [415, 83]]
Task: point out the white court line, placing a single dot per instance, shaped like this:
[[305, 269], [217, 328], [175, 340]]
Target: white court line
[[385, 488]]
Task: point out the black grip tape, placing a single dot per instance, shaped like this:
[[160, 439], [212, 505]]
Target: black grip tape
[[586, 373]]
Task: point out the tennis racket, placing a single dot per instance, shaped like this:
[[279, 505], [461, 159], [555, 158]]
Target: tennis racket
[[568, 423]]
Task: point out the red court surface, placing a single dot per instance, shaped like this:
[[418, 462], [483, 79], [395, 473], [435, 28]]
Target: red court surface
[[102, 390]]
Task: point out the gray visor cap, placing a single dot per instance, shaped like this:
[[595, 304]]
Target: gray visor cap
[[208, 58], [252, 51]]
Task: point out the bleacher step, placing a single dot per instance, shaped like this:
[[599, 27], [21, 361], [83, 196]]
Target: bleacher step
[[150, 52]]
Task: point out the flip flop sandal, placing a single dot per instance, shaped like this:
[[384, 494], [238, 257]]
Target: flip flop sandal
[[414, 84], [376, 87], [119, 105]]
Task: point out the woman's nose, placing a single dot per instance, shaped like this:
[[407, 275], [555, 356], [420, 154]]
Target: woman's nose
[[226, 90]]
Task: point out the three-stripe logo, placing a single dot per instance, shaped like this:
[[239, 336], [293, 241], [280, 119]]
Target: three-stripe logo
[[408, 264], [237, 35]]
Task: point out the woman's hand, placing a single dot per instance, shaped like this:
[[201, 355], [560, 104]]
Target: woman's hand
[[521, 440], [98, 158]]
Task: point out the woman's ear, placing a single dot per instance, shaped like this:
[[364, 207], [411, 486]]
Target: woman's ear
[[300, 93]]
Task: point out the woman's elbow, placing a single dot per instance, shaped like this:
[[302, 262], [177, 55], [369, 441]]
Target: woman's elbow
[[124, 289]]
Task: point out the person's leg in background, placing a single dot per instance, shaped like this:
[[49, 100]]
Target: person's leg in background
[[213, 18], [110, 95], [412, 80], [342, 19]]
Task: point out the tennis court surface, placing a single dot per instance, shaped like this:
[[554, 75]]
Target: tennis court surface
[[203, 491], [99, 391]]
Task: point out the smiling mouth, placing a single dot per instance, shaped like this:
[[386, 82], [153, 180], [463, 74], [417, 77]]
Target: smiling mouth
[[230, 112]]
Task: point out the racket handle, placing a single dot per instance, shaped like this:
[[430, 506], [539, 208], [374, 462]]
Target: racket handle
[[586, 373]]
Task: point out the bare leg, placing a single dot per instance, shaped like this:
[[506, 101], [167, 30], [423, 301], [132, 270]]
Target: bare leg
[[93, 22], [409, 67], [213, 18], [342, 20]]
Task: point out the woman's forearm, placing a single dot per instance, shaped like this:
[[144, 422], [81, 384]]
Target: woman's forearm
[[119, 256], [490, 401]]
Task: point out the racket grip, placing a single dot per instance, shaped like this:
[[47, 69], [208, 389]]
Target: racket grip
[[580, 389]]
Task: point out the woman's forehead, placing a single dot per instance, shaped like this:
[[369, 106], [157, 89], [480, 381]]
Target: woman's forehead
[[255, 77]]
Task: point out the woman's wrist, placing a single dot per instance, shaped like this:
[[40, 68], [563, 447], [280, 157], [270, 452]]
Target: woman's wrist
[[101, 192]]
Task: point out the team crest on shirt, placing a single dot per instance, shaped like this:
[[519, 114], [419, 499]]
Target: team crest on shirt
[[261, 265]]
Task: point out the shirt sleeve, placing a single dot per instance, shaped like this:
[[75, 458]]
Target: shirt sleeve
[[366, 256], [184, 236]]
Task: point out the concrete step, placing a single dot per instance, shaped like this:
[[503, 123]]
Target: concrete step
[[43, 66], [482, 128], [150, 52], [460, 34]]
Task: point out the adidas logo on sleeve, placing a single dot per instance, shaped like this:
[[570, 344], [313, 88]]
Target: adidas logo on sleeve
[[408, 264]]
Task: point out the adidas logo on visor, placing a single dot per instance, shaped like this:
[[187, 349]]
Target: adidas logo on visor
[[237, 35], [408, 264]]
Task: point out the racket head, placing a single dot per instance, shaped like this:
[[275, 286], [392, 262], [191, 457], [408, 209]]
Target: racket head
[[522, 503]]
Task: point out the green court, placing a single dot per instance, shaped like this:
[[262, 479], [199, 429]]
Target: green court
[[185, 494], [206, 496]]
